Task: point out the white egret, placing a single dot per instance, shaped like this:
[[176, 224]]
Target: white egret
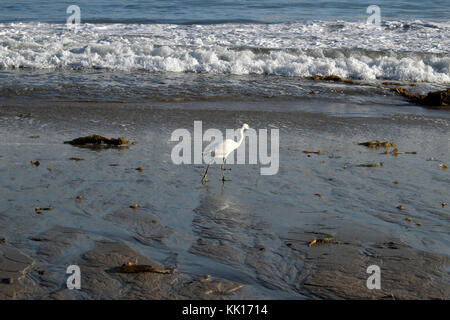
[[221, 150]]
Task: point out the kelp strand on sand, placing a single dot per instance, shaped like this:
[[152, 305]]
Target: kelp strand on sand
[[136, 268]]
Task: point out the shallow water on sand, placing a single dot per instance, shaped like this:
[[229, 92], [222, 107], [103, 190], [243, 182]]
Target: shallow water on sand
[[217, 228]]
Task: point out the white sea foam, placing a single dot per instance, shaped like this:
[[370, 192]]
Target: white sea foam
[[405, 51]]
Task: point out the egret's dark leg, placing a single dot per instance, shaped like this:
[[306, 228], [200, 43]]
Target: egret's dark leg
[[223, 171], [204, 179]]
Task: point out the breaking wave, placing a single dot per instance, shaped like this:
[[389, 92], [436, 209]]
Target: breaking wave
[[412, 51]]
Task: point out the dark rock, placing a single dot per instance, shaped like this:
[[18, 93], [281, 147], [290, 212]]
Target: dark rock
[[432, 99], [438, 98], [7, 280], [332, 77]]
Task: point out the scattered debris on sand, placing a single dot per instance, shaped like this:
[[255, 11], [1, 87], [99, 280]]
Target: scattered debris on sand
[[24, 115], [432, 99], [38, 239], [315, 242], [370, 165], [36, 163], [332, 77], [385, 144], [98, 140], [396, 152], [318, 152], [39, 210], [136, 268], [377, 144], [76, 159]]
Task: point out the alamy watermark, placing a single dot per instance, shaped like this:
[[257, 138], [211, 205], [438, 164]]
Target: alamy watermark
[[74, 280], [74, 20], [189, 149], [374, 280], [375, 15]]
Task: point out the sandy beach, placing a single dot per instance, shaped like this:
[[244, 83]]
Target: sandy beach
[[249, 238]]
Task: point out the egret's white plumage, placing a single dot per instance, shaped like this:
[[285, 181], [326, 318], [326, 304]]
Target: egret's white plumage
[[221, 150]]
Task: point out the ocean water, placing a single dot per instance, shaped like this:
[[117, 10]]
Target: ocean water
[[218, 11], [163, 40]]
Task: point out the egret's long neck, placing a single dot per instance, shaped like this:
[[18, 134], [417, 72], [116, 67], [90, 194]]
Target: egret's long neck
[[242, 136]]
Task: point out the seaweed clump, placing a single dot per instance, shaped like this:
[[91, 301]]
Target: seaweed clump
[[377, 144], [332, 77], [98, 140]]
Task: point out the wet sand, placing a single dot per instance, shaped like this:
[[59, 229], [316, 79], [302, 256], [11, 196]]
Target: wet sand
[[247, 239]]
